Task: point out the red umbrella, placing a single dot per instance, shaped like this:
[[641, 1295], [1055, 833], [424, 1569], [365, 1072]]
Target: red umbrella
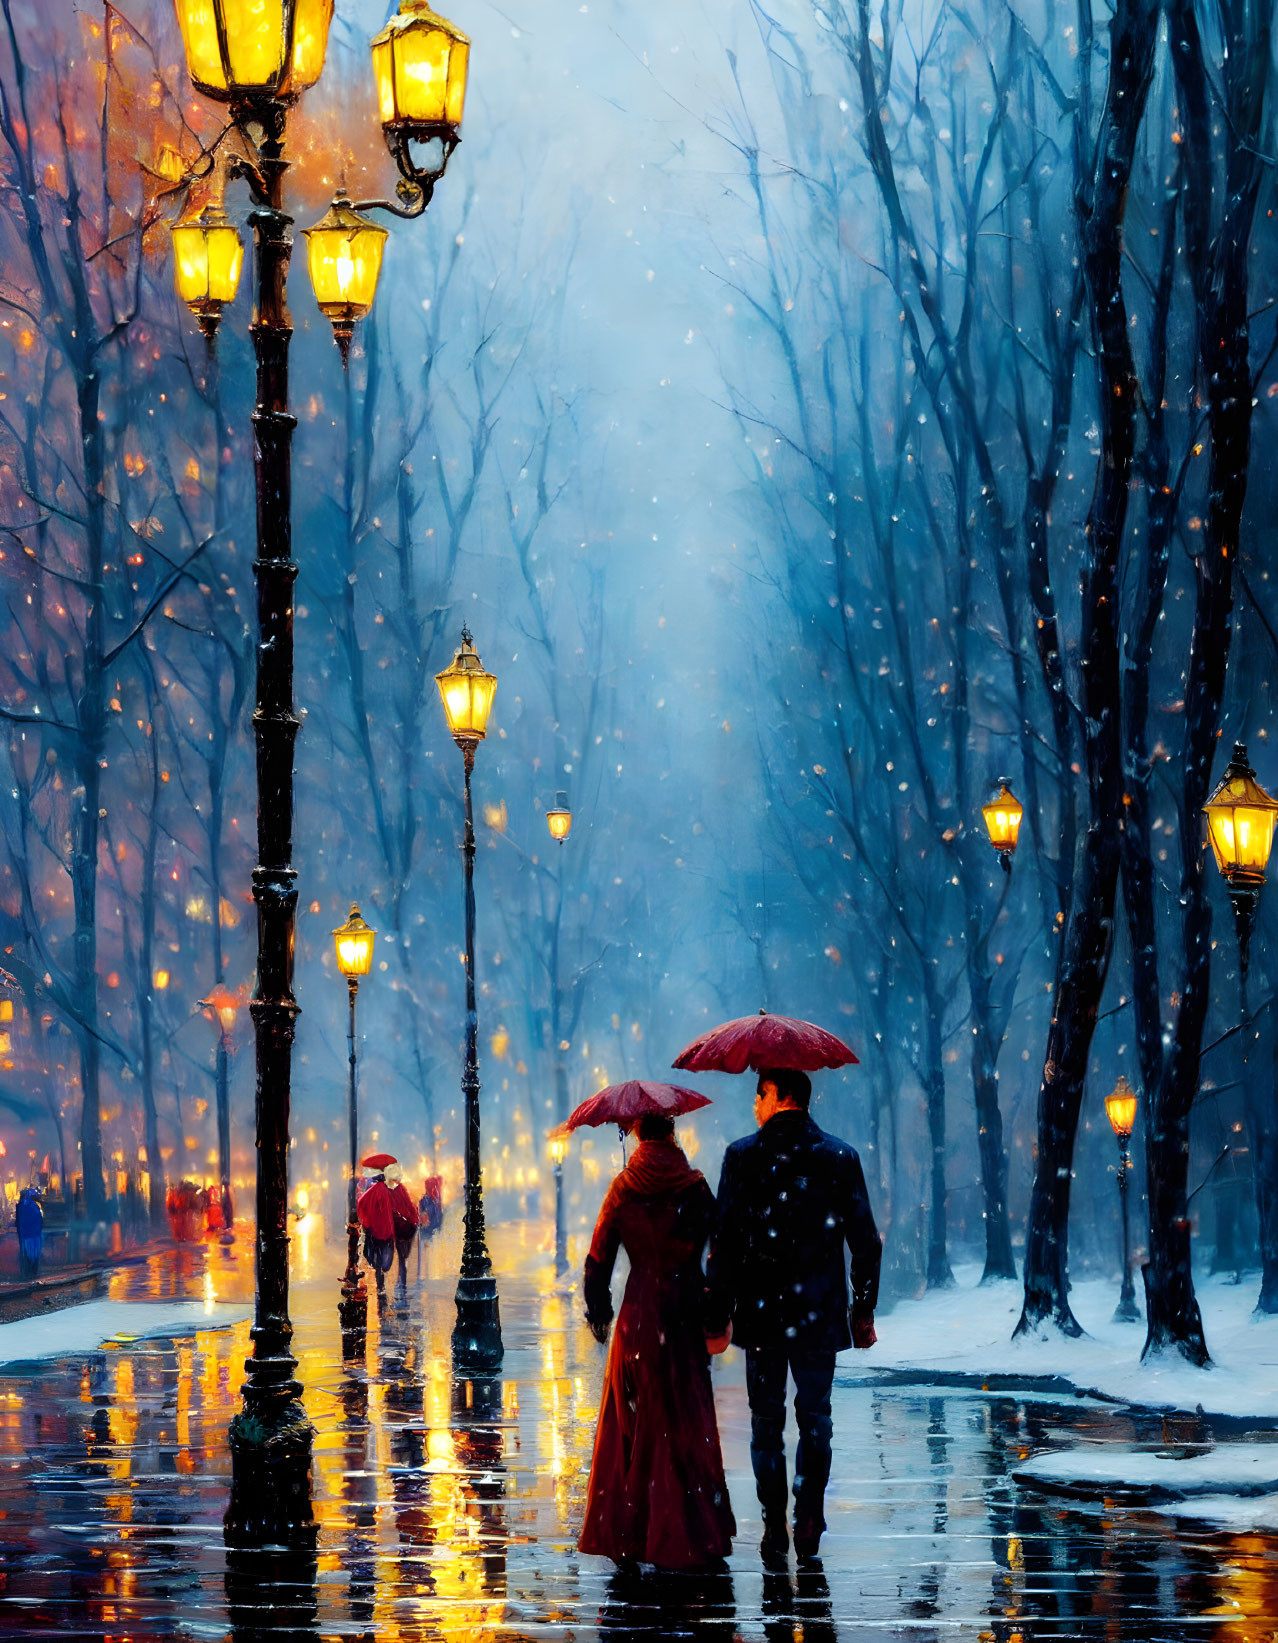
[[378, 1160], [622, 1104], [762, 1041]]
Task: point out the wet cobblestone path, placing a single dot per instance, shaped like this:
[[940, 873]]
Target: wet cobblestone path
[[448, 1511]]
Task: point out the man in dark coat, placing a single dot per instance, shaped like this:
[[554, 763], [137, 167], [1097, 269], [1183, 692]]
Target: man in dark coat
[[790, 1199], [29, 1224]]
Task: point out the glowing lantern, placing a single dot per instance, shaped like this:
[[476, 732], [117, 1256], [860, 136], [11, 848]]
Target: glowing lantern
[[559, 820], [420, 62], [246, 51], [1120, 1109], [208, 255], [557, 1147], [344, 256], [1002, 814], [354, 943], [1240, 824], [467, 693], [224, 1005]]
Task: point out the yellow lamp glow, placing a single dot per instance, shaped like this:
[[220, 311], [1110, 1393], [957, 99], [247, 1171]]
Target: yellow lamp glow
[[344, 257], [354, 943], [467, 693], [1002, 814], [223, 1006], [420, 62], [208, 256], [557, 1147], [244, 50], [1120, 1109], [559, 820], [1240, 823]]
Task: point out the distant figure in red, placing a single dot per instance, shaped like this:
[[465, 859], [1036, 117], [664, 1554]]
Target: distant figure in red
[[657, 1492], [404, 1217], [388, 1216], [186, 1205]]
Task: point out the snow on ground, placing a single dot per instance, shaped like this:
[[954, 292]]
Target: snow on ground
[[84, 1328], [1231, 1469], [967, 1331]]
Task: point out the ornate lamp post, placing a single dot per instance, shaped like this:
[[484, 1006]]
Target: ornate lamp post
[[558, 1152], [258, 60], [354, 944], [223, 1006], [467, 692], [1120, 1109], [1240, 826], [559, 820], [1002, 813]]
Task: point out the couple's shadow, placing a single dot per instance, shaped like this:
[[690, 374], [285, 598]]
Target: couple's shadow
[[643, 1604]]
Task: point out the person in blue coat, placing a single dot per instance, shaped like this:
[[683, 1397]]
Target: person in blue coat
[[29, 1222], [792, 1217]]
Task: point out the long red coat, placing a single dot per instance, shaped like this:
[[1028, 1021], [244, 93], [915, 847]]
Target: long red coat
[[657, 1492], [387, 1212]]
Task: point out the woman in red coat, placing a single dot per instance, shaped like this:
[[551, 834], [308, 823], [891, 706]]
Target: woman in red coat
[[657, 1492]]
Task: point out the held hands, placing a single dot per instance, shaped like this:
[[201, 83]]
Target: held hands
[[715, 1344], [599, 1329], [863, 1335]]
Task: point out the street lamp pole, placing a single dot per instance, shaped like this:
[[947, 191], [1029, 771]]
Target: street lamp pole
[[467, 692], [559, 822], [354, 943], [1120, 1109], [257, 61], [220, 1007]]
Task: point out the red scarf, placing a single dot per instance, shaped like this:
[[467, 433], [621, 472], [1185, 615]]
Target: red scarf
[[657, 1168]]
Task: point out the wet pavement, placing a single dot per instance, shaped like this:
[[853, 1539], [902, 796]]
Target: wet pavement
[[449, 1510]]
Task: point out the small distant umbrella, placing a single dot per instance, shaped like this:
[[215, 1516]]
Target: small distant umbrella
[[622, 1104], [378, 1160], [762, 1041]]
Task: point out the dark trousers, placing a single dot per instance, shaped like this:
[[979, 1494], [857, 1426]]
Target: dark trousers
[[766, 1370]]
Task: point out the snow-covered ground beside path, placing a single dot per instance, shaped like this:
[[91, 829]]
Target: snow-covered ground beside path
[[79, 1329], [967, 1331]]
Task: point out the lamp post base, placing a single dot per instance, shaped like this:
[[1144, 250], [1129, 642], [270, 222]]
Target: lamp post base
[[270, 1501], [352, 1314], [1127, 1312], [352, 1309], [477, 1343]]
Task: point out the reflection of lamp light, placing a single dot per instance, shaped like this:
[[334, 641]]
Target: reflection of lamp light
[[344, 257], [245, 50], [559, 820], [1002, 814], [467, 693]]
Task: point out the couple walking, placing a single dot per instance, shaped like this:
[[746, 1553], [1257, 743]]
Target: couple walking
[[791, 1198]]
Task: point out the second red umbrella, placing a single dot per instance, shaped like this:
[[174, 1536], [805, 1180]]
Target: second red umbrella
[[622, 1104], [378, 1160], [762, 1041]]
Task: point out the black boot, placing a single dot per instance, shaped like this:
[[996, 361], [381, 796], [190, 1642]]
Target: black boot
[[774, 1548], [809, 1526]]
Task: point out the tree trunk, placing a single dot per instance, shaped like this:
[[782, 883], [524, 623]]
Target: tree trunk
[[999, 1260], [1089, 922], [91, 725], [939, 1275], [1219, 275]]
